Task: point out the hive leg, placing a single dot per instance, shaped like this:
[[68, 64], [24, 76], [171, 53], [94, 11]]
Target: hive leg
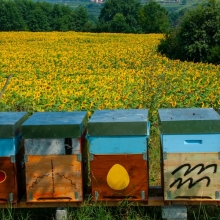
[[174, 212], [61, 214]]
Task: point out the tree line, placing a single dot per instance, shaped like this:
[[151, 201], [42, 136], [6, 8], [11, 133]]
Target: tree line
[[192, 35], [27, 15], [127, 16]]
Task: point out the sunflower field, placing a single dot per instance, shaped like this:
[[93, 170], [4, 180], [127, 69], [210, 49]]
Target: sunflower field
[[67, 71]]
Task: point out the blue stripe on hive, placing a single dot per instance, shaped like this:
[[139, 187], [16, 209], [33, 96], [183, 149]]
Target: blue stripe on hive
[[9, 146], [189, 143], [118, 144]]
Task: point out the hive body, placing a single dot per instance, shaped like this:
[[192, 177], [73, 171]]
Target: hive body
[[118, 142], [190, 146], [11, 156], [53, 158]]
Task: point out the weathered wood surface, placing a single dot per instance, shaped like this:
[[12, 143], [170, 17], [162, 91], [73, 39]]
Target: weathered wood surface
[[137, 169], [54, 178], [50, 146], [190, 176]]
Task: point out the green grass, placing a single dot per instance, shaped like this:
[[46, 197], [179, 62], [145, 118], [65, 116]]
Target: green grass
[[124, 211]]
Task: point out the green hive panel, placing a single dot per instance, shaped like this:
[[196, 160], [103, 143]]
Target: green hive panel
[[189, 121], [10, 123], [55, 125], [119, 122]]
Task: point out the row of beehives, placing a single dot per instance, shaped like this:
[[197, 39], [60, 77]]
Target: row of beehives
[[45, 156]]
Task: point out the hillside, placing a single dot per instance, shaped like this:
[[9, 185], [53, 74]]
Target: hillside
[[94, 8]]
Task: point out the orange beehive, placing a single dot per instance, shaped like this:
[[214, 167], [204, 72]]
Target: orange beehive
[[54, 151], [118, 154]]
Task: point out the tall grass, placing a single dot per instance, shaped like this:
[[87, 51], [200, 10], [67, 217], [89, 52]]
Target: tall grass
[[124, 211]]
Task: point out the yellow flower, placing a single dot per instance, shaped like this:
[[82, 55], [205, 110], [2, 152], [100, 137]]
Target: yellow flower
[[173, 104]]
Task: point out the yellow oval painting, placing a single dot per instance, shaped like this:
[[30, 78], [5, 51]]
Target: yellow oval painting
[[118, 177]]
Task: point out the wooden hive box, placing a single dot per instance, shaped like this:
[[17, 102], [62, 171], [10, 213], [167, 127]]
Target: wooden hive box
[[11, 155], [54, 150], [190, 146], [118, 142]]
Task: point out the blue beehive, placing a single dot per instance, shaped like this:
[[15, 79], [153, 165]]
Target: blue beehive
[[190, 146], [11, 155], [118, 143]]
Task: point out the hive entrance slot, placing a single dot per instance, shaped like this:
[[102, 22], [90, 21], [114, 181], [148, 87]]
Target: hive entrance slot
[[3, 200], [193, 142], [54, 198], [193, 197], [119, 197]]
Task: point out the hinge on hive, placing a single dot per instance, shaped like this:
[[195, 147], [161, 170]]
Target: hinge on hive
[[76, 195], [145, 156], [168, 195], [79, 157], [12, 158], [91, 157], [96, 195], [31, 196], [142, 194], [219, 155], [25, 158], [164, 155], [216, 194], [10, 197]]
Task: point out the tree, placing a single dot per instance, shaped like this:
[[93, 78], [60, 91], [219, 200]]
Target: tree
[[118, 24], [24, 7], [154, 18], [127, 8], [61, 18], [38, 21], [80, 19], [10, 17], [198, 36]]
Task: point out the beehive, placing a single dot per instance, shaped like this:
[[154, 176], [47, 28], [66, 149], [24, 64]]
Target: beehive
[[190, 146], [118, 142], [11, 155], [54, 153]]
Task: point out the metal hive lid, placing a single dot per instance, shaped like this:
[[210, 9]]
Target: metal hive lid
[[118, 122], [55, 125], [189, 121], [10, 123]]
